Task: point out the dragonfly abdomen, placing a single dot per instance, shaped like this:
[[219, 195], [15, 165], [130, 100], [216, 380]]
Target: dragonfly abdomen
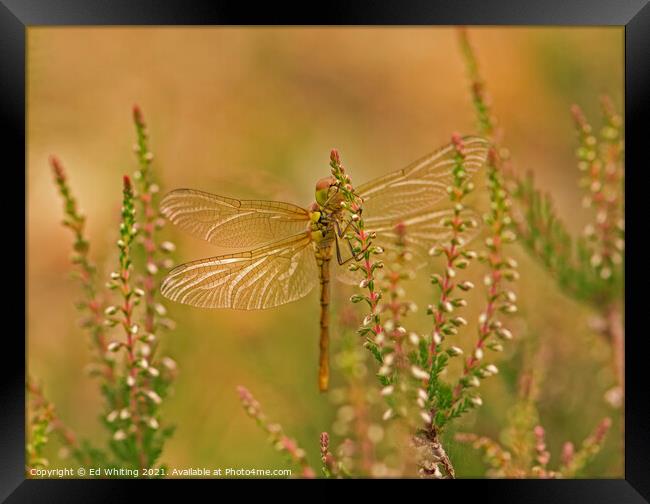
[[323, 372]]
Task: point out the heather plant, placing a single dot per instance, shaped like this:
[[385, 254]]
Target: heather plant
[[402, 387], [411, 367], [587, 268], [522, 451], [415, 377], [124, 321]]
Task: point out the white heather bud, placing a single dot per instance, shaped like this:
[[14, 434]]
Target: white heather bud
[[124, 414], [619, 244], [476, 401], [119, 435], [387, 414], [152, 269], [160, 309], [153, 371], [134, 329], [153, 423], [389, 325], [482, 318], [512, 263], [466, 286], [389, 359], [447, 307], [473, 381], [511, 275], [364, 283], [459, 321], [113, 346], [155, 398], [495, 346], [144, 350], [378, 250], [112, 416], [453, 351], [435, 251], [130, 381], [437, 338], [478, 354], [487, 280], [426, 417], [508, 236], [511, 296], [492, 369], [143, 363], [419, 373], [451, 273], [114, 276], [414, 339], [138, 292], [167, 246], [384, 370], [386, 391], [169, 363], [421, 402], [110, 310], [504, 333]]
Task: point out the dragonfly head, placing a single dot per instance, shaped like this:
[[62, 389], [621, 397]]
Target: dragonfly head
[[325, 188]]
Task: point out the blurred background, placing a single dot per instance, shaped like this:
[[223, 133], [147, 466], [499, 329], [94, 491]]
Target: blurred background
[[254, 113]]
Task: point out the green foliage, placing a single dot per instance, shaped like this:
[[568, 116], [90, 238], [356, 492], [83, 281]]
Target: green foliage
[[522, 452], [133, 380]]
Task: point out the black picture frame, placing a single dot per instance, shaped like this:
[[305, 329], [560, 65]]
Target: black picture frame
[[17, 15]]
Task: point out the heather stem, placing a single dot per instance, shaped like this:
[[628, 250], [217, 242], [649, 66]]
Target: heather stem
[[147, 189], [127, 233], [76, 222]]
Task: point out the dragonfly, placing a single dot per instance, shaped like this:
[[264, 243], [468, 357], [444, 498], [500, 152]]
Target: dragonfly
[[281, 251]]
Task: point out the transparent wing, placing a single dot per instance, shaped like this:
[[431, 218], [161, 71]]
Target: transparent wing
[[422, 231], [416, 196], [229, 222], [426, 229], [261, 278], [388, 199]]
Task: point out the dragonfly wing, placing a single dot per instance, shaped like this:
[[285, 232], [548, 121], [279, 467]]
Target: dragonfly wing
[[229, 222], [422, 231], [415, 196], [257, 279], [388, 199]]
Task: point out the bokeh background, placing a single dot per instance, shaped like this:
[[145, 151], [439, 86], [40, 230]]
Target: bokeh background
[[254, 112]]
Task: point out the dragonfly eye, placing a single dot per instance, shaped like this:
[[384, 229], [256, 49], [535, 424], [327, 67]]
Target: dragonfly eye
[[324, 189]]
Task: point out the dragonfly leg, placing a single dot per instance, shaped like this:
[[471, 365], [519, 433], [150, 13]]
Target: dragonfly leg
[[356, 257]]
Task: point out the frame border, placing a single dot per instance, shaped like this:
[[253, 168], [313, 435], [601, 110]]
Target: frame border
[[17, 15]]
